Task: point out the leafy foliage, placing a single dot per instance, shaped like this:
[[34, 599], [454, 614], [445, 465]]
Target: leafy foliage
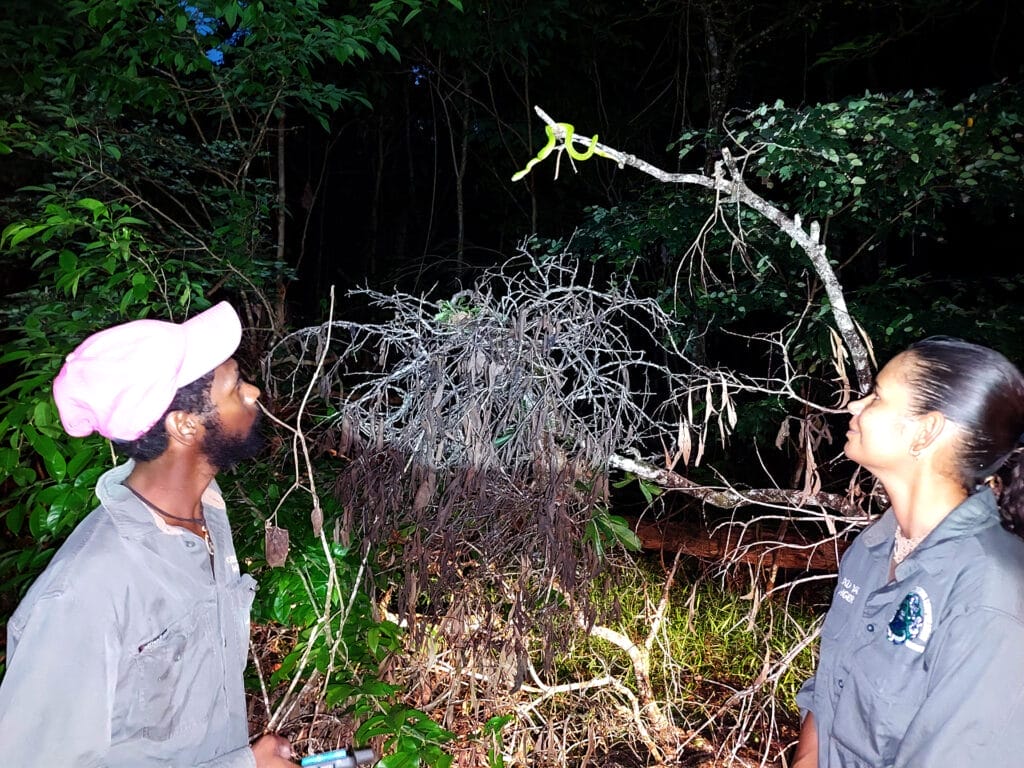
[[906, 156], [157, 190], [151, 130], [93, 264], [341, 644]]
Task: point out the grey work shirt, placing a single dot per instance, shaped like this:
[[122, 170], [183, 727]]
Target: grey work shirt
[[926, 671], [128, 650]]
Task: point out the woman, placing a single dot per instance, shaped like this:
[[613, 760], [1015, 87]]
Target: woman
[[922, 651]]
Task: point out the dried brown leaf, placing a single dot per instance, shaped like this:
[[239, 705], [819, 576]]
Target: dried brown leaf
[[275, 545]]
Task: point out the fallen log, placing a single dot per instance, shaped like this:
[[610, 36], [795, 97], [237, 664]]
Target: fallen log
[[730, 543]]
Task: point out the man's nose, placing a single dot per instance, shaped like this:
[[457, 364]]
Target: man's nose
[[251, 392]]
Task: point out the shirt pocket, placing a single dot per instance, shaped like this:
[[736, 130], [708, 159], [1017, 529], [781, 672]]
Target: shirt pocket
[[166, 670], [835, 638], [883, 688]]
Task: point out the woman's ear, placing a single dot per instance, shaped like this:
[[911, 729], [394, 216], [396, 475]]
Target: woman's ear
[[930, 428]]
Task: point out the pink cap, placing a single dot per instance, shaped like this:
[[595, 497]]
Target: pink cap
[[120, 381]]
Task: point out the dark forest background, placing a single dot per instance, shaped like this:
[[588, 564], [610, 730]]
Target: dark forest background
[[457, 111]]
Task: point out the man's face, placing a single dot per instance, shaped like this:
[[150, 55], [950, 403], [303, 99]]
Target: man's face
[[232, 430]]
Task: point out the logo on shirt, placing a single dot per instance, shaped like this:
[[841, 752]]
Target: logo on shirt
[[912, 624]]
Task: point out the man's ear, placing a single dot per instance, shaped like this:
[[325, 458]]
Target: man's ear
[[183, 427], [929, 428]]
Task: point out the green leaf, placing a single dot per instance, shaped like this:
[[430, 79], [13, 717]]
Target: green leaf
[[396, 718], [378, 688], [42, 414], [629, 478], [95, 207], [15, 518], [435, 756], [55, 514], [18, 233], [400, 760], [79, 460], [375, 726], [337, 693], [493, 726], [52, 457], [37, 521], [649, 490]]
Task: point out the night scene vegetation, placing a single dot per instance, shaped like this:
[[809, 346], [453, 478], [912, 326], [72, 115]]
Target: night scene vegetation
[[556, 308]]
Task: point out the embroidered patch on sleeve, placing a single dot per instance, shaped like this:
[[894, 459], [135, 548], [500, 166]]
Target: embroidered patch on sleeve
[[912, 624]]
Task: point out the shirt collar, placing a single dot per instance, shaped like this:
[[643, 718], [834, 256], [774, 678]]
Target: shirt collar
[[977, 512], [974, 514], [134, 520], [882, 531]]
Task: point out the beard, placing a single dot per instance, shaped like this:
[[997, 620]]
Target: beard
[[224, 451]]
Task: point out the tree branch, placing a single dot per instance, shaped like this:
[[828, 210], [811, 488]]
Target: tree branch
[[738, 191]]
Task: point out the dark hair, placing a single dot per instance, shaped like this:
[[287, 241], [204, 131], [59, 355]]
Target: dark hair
[[981, 392], [192, 398]]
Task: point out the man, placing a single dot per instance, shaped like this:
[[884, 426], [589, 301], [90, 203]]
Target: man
[[128, 651]]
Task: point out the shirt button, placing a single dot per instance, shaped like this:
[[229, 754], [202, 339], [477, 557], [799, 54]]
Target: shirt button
[[840, 683], [871, 627]]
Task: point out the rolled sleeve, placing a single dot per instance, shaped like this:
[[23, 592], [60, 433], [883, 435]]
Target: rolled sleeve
[[805, 698]]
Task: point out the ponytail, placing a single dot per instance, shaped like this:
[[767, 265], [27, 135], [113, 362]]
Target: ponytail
[[1009, 488]]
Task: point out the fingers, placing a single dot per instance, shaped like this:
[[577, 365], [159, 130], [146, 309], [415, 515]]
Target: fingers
[[272, 750]]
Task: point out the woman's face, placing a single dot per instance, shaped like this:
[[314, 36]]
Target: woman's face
[[882, 429]]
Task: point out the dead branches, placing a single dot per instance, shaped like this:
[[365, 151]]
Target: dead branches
[[729, 183], [476, 432]]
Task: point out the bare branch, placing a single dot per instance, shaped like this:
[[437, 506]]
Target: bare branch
[[726, 497], [736, 189]]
